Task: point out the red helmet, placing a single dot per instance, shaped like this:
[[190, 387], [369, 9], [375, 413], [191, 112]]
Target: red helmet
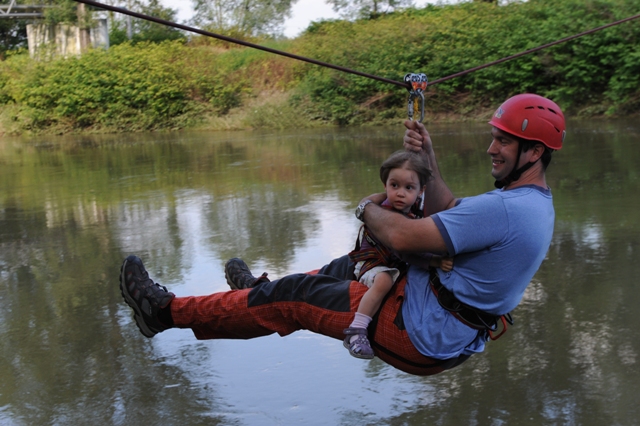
[[531, 117]]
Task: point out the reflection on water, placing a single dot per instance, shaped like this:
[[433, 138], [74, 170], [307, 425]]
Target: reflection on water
[[71, 208]]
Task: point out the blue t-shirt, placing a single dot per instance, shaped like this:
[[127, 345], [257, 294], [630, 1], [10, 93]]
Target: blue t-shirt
[[499, 240]]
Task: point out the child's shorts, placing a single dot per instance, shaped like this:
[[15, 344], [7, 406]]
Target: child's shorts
[[367, 278]]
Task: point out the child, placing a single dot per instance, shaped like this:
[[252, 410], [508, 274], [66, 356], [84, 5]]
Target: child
[[404, 175]]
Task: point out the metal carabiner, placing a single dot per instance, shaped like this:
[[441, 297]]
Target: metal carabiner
[[416, 85]]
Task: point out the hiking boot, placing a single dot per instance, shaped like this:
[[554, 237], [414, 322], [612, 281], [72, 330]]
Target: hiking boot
[[145, 297], [239, 276]]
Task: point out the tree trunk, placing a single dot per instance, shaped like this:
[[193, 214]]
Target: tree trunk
[[83, 25]]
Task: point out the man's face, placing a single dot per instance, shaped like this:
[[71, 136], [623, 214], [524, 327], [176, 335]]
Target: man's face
[[503, 151]]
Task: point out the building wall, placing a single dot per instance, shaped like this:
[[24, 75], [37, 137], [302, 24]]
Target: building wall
[[48, 41]]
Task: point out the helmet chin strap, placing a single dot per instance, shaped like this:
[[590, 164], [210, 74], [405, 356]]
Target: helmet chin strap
[[515, 174]]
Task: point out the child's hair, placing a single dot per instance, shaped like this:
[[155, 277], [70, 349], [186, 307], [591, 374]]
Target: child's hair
[[409, 160]]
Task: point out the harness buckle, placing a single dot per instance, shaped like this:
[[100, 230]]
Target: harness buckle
[[416, 85], [504, 329]]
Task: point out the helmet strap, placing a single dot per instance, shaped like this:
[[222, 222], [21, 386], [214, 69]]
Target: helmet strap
[[515, 174]]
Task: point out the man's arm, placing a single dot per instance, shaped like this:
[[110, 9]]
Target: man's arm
[[438, 196], [402, 234]]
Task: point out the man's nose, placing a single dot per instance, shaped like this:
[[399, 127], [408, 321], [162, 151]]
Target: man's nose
[[492, 147]]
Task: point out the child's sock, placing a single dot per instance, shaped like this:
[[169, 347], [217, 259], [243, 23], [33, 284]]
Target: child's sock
[[360, 321]]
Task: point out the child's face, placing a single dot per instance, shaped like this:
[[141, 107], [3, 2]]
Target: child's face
[[402, 188]]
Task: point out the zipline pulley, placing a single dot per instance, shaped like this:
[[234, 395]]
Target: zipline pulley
[[416, 85]]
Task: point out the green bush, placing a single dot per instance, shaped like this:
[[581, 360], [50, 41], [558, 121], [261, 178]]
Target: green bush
[[145, 86], [128, 88], [444, 40]]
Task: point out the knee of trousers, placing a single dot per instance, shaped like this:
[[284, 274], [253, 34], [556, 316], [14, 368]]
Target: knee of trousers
[[318, 303]]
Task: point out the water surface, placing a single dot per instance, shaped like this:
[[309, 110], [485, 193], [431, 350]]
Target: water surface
[[71, 208]]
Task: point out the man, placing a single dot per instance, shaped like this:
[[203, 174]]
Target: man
[[431, 321]]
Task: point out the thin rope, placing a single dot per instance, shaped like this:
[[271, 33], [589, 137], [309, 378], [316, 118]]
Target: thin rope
[[337, 67]]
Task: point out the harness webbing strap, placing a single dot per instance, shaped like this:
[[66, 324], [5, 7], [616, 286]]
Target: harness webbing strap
[[468, 315], [376, 255]]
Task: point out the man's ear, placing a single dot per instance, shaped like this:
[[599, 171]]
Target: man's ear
[[536, 152]]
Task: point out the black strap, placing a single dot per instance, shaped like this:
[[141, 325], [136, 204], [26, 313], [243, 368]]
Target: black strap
[[473, 317], [376, 255]]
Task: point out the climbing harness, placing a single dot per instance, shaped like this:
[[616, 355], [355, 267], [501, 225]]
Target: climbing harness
[[374, 254], [416, 85], [472, 317]]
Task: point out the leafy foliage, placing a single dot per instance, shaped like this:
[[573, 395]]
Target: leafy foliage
[[64, 11], [447, 39], [142, 30], [13, 35], [367, 8], [130, 87], [246, 17], [172, 84]]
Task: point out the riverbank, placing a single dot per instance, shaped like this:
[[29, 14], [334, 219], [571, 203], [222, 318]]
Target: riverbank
[[276, 110], [266, 110], [200, 85]]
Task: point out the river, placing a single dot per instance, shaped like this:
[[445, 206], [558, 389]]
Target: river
[[72, 207]]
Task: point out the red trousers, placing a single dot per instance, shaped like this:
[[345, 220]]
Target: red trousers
[[322, 302]]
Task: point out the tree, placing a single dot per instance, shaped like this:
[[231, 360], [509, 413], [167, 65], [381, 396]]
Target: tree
[[248, 17], [141, 29], [64, 11], [13, 35], [354, 9]]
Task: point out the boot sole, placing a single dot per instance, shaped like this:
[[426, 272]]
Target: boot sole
[[137, 313]]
